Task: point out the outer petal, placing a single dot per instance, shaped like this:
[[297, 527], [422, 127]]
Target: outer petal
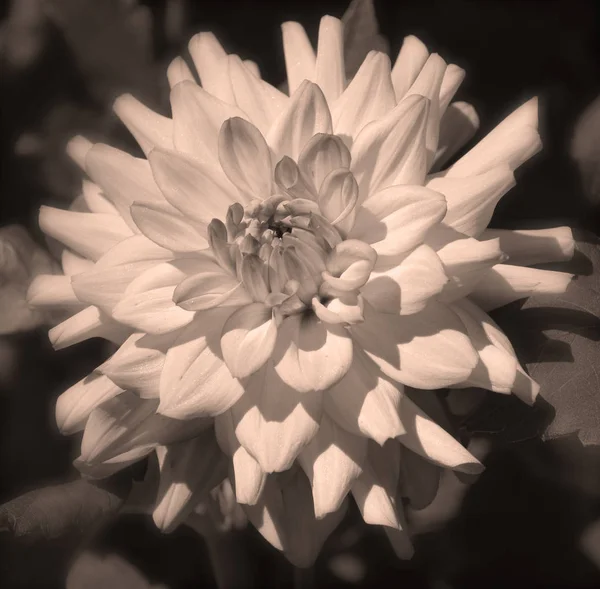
[[332, 460], [365, 402], [299, 55], [195, 381], [406, 288], [274, 421], [411, 59], [329, 67], [458, 126], [311, 355], [51, 290], [426, 350], [210, 60]]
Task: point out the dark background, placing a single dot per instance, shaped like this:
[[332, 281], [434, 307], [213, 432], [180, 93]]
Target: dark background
[[521, 523]]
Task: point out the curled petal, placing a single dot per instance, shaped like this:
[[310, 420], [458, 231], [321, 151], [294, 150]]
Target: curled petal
[[320, 156], [338, 196]]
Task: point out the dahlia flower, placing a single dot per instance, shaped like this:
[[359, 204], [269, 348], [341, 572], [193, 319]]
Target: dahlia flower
[[279, 271]]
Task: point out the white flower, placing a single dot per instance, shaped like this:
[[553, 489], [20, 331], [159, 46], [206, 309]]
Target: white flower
[[276, 272]]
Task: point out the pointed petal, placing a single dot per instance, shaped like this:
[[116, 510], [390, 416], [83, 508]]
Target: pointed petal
[[332, 461], [123, 179], [411, 59], [96, 201], [472, 200], [51, 290], [138, 363], [299, 55], [73, 263], [172, 232], [89, 234], [267, 514], [512, 142], [178, 71], [273, 421], [306, 114], [427, 350], [396, 219], [210, 61], [329, 66], [458, 126], [147, 304], [197, 120], [86, 324], [195, 381], [504, 284], [364, 402], [259, 100], [406, 288], [77, 149], [248, 339], [420, 479], [427, 439], [246, 158], [149, 128], [392, 149], [527, 247], [189, 470], [453, 78], [74, 406], [311, 355], [369, 96], [321, 155]]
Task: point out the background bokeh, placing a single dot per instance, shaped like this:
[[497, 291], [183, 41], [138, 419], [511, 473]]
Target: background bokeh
[[526, 522]]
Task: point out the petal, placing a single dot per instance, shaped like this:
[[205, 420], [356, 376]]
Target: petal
[[406, 288], [329, 66], [77, 149], [338, 197], [51, 290], [147, 304], [453, 78], [123, 179], [299, 55], [195, 381], [369, 96], [74, 406], [411, 59], [179, 71], [267, 514], [527, 247], [364, 402], [427, 439], [86, 324], [274, 421], [197, 120], [472, 200], [73, 263], [396, 219], [89, 234], [149, 128], [392, 149], [321, 155], [189, 470], [260, 101], [245, 158], [512, 142], [349, 265], [311, 355], [210, 61], [248, 339], [458, 126], [306, 114], [426, 350], [504, 284], [96, 201], [172, 232], [332, 461], [138, 363], [420, 479]]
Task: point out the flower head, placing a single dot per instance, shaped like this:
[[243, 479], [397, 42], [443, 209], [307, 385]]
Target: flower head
[[282, 272]]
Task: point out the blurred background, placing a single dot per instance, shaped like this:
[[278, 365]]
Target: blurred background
[[529, 520]]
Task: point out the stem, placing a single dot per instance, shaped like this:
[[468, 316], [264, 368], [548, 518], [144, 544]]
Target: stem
[[229, 560]]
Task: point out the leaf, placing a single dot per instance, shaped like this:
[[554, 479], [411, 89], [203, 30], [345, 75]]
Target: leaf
[[95, 571], [361, 34], [21, 259], [52, 512], [558, 339]]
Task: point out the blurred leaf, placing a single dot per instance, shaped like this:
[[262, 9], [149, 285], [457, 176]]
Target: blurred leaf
[[52, 512], [93, 571], [558, 339], [361, 34], [585, 150], [111, 41], [21, 259]]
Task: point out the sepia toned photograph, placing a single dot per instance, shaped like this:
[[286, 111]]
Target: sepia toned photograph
[[299, 294]]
